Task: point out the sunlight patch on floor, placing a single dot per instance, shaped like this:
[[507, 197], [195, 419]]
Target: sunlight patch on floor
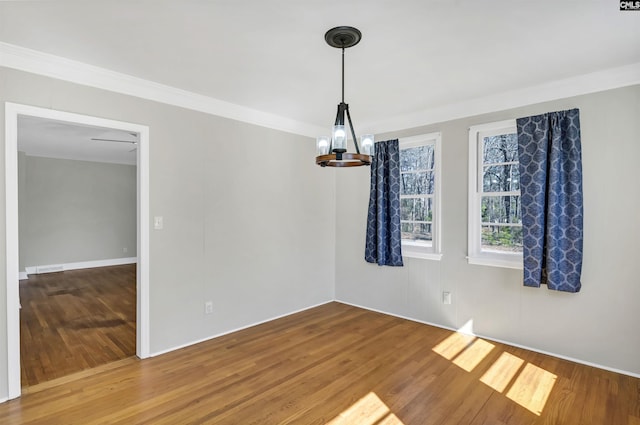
[[528, 385], [502, 371], [473, 355], [532, 388], [369, 410], [453, 345], [463, 348]]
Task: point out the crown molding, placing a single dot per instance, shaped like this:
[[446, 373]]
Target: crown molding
[[33, 61], [20, 58], [582, 84]]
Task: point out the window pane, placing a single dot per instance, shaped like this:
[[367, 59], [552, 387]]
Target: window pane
[[418, 158], [417, 183], [501, 178], [417, 231], [416, 209], [501, 148], [501, 209], [502, 238]]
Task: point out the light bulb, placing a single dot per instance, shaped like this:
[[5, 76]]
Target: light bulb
[[366, 141], [322, 145], [339, 138]]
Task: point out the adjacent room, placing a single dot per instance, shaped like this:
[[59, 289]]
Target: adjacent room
[[77, 197], [210, 242]]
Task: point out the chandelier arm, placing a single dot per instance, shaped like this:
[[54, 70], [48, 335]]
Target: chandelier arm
[[340, 114], [353, 133]]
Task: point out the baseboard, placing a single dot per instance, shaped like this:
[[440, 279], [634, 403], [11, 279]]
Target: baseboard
[[188, 344], [52, 268], [23, 275], [548, 353]]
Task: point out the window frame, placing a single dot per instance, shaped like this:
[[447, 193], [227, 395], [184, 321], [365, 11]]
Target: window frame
[[427, 250], [475, 253]]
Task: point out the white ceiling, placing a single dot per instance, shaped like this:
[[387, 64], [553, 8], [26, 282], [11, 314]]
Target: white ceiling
[[270, 55], [58, 139]]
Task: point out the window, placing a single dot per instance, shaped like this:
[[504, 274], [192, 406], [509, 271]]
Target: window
[[495, 221], [420, 196]]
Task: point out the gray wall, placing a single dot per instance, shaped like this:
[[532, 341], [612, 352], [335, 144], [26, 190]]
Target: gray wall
[[246, 219], [598, 325], [248, 216], [74, 211]]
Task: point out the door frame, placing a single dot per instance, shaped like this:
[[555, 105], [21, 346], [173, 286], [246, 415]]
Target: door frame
[[12, 111]]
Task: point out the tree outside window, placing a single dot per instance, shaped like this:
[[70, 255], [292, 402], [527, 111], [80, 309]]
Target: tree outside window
[[500, 203]]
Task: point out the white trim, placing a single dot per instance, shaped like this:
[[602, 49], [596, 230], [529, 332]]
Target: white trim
[[83, 265], [499, 260], [437, 208], [188, 344], [432, 250], [409, 253], [501, 341], [475, 253], [419, 140], [23, 276], [21, 58], [12, 111], [12, 267], [143, 321], [607, 79], [33, 61], [493, 128]]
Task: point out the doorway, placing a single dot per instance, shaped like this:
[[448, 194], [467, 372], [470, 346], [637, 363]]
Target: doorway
[[13, 112]]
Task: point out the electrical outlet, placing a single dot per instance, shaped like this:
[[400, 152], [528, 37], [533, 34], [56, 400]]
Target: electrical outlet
[[124, 250], [208, 307], [446, 297]]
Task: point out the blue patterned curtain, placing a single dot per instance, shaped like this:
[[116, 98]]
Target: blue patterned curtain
[[383, 221], [550, 156]]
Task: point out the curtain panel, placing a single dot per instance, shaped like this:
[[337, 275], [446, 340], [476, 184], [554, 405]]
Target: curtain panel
[[383, 244], [550, 156]]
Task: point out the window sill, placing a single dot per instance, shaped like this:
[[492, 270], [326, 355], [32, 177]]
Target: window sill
[[496, 262], [422, 255]]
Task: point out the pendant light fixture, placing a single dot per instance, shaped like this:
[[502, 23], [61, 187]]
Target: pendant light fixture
[[332, 151]]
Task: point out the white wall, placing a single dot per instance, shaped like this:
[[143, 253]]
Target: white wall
[[74, 211], [597, 325], [245, 208], [22, 196]]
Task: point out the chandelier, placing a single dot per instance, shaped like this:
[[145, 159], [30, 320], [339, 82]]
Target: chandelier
[[332, 151]]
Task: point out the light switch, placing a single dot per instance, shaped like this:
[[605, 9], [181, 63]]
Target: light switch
[[157, 222]]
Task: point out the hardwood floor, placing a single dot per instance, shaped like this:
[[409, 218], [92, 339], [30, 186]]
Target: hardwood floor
[[75, 320], [341, 365]]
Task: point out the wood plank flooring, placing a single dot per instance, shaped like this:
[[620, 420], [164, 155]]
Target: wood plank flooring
[[76, 320], [337, 364]]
